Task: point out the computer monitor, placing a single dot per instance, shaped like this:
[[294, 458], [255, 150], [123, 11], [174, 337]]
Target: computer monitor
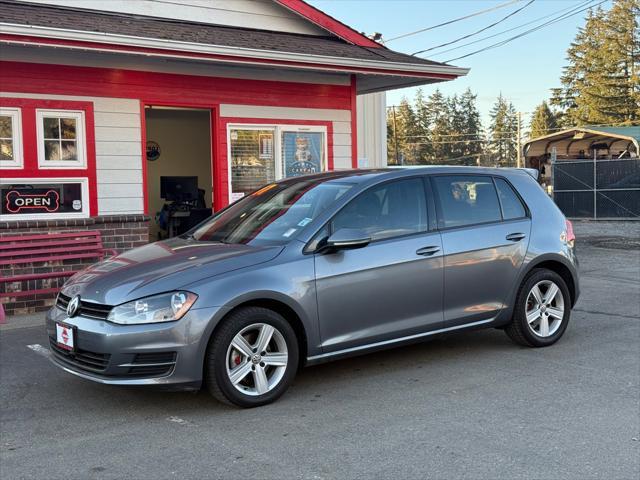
[[179, 188]]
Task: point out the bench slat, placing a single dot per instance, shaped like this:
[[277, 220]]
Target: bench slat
[[96, 254], [81, 248], [82, 233], [20, 245], [37, 276]]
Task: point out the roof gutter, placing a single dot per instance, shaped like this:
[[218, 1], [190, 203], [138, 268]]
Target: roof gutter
[[108, 42]]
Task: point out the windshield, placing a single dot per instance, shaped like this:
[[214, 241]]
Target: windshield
[[273, 215]]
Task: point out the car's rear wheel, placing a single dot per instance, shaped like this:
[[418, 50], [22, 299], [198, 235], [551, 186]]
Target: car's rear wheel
[[542, 310], [252, 358]]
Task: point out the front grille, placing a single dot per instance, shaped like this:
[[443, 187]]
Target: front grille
[[81, 359], [155, 357], [164, 364], [150, 371], [96, 311]]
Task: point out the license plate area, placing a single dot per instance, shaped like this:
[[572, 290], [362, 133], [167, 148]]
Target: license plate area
[[66, 336]]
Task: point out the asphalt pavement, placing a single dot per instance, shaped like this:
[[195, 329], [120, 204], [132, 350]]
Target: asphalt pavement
[[470, 405]]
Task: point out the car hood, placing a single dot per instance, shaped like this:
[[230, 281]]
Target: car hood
[[161, 267]]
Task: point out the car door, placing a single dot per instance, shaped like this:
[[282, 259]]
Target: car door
[[392, 287], [485, 238]]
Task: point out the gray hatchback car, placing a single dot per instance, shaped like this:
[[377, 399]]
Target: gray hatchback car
[[317, 268]]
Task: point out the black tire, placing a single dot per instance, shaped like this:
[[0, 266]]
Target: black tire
[[216, 360], [519, 330]]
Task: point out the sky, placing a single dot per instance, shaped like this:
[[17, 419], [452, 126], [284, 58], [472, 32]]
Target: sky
[[523, 70]]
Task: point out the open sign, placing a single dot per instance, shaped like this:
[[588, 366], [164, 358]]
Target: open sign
[[43, 201]]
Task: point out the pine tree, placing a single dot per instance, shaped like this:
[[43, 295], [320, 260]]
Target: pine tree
[[402, 130], [543, 121], [600, 84], [423, 134], [439, 124], [502, 133], [471, 128]]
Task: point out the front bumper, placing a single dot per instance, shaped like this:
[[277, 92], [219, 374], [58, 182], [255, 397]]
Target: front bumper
[[164, 354]]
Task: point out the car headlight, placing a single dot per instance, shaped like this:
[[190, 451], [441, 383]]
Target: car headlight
[[167, 307]]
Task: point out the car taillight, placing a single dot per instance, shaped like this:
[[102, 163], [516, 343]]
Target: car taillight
[[571, 237]]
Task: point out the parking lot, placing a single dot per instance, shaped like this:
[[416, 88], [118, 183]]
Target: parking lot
[[471, 405]]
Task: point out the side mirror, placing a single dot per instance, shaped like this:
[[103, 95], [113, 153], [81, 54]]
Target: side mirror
[[347, 239]]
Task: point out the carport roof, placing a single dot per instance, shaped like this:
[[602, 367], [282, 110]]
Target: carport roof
[[582, 138]]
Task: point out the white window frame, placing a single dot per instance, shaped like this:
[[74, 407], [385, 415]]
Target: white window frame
[[84, 186], [16, 134], [277, 130], [81, 162]]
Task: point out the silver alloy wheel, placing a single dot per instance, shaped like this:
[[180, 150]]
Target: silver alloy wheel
[[257, 359], [545, 308]]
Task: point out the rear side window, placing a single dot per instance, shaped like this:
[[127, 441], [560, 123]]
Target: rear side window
[[390, 210], [466, 200], [511, 205]]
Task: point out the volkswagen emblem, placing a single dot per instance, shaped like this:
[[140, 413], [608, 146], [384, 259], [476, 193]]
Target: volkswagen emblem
[[72, 307]]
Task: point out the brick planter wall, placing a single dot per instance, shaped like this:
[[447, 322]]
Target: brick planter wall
[[120, 232]]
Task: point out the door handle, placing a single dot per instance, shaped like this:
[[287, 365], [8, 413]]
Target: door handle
[[515, 237], [428, 251]]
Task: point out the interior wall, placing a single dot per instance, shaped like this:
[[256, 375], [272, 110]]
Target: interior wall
[[184, 137]]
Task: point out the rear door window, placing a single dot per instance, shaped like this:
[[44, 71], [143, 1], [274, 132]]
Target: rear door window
[[466, 200], [512, 206]]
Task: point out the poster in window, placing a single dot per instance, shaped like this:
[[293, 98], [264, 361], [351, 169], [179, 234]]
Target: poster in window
[[265, 140], [302, 153], [51, 199]]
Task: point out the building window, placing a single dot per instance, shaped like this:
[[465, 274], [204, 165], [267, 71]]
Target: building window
[[10, 138], [60, 139], [261, 154], [43, 198]]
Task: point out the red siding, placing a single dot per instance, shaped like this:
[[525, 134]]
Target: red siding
[[30, 144], [155, 87]]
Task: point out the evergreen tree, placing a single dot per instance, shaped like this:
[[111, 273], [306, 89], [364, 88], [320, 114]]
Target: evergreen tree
[[423, 133], [439, 125], [543, 121], [600, 85], [404, 131], [471, 128], [502, 133]]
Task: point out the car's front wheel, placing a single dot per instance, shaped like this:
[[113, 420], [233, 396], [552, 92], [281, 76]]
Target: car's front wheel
[[252, 358], [542, 310]]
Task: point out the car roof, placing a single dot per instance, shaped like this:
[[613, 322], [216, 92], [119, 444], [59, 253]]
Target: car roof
[[363, 176]]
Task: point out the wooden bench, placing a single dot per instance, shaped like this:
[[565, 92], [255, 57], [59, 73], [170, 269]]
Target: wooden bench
[[24, 250]]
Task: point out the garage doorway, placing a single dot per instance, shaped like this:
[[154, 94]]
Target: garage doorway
[[179, 168]]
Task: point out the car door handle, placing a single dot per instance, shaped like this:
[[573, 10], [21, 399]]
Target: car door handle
[[515, 237], [428, 251]]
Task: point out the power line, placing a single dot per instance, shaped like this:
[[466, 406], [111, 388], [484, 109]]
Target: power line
[[526, 32], [564, 10], [510, 2], [478, 31]]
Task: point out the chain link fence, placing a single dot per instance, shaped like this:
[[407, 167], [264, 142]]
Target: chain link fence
[[597, 188]]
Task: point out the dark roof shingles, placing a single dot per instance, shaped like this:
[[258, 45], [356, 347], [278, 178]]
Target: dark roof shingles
[[177, 30]]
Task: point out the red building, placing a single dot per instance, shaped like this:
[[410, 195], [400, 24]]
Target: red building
[[97, 106]]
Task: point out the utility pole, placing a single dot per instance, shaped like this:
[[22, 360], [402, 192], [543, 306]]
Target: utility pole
[[519, 141], [395, 132]]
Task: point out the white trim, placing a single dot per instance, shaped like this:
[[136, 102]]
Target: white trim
[[191, 47], [277, 130], [84, 213], [16, 134], [81, 148]]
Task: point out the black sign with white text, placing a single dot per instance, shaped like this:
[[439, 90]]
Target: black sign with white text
[[38, 199]]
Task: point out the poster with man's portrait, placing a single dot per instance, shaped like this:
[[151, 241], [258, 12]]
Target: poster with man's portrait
[[302, 153]]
